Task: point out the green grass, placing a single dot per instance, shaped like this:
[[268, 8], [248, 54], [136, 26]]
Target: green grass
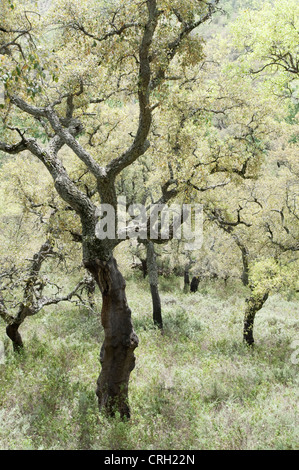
[[194, 387]]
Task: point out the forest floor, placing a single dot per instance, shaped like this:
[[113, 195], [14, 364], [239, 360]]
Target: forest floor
[[197, 386]]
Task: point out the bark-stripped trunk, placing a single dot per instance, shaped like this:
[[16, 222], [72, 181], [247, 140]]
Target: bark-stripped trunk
[[194, 284], [13, 333], [254, 304], [117, 352], [154, 283]]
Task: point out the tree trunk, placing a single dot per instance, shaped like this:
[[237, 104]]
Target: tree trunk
[[90, 288], [254, 304], [194, 284], [117, 352], [186, 281], [12, 329], [245, 261], [157, 310], [153, 280], [144, 267], [13, 334]]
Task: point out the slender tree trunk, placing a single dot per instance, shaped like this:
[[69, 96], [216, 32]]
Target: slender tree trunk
[[26, 307], [245, 261], [90, 288], [153, 280], [117, 352], [254, 304], [144, 267], [157, 310], [186, 281]]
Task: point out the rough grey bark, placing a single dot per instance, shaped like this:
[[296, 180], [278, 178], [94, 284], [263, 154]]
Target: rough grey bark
[[245, 261], [254, 304], [90, 286], [144, 267]]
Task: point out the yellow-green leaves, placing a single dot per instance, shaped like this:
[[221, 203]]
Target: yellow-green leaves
[[267, 40], [272, 275]]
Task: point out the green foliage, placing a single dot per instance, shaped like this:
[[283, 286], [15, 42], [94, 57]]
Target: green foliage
[[269, 275], [221, 125], [267, 37]]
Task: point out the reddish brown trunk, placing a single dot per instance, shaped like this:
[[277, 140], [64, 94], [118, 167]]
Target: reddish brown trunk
[[117, 353]]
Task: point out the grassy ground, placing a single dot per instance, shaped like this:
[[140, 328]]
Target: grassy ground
[[195, 387]]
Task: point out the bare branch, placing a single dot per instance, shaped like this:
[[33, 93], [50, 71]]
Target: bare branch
[[140, 143]]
